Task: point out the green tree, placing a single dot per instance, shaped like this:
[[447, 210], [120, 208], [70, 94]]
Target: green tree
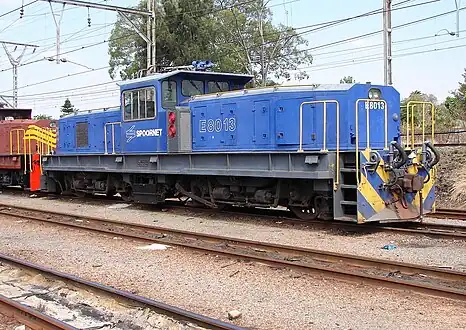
[[259, 47], [42, 116], [184, 33], [238, 36], [67, 108], [456, 103], [347, 80]]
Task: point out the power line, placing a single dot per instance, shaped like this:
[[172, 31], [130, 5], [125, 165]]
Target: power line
[[371, 59], [13, 10], [365, 35], [358, 60], [313, 48], [58, 78], [352, 62]]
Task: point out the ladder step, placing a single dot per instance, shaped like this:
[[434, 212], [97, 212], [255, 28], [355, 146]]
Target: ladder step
[[349, 186], [348, 170], [349, 203]]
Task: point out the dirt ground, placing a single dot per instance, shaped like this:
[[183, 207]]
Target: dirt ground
[[451, 178]]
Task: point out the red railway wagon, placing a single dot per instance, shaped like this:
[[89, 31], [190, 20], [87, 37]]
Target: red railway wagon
[[22, 141]]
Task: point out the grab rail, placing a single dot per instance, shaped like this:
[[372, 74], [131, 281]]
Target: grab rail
[[113, 136], [324, 144], [410, 132], [18, 130], [385, 108]]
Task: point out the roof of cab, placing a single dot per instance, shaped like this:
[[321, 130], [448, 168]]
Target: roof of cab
[[244, 78]]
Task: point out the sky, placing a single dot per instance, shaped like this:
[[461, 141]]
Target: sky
[[425, 56]]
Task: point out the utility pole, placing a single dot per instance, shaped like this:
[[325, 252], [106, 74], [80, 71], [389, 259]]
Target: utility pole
[[458, 6], [122, 11], [15, 62], [154, 45], [261, 31], [387, 42], [57, 26]]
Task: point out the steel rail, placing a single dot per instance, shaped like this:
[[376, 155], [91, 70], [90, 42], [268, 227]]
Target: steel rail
[[412, 228], [392, 274], [444, 231], [29, 317], [159, 307], [456, 214]]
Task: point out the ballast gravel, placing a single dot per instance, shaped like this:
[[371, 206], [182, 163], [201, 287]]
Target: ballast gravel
[[446, 253], [266, 297]]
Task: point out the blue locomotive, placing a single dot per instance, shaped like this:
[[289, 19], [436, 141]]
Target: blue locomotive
[[323, 151]]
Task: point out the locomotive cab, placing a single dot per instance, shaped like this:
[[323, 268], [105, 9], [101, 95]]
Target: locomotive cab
[[149, 120]]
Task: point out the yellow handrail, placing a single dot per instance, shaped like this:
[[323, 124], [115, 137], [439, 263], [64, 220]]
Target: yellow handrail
[[44, 135], [324, 145], [18, 130], [411, 105], [368, 128]]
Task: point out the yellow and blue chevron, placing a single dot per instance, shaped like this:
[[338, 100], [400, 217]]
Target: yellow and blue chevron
[[378, 204]]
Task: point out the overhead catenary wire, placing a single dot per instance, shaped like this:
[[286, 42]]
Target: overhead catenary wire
[[282, 55], [19, 8], [312, 48], [87, 46], [318, 65], [362, 60]]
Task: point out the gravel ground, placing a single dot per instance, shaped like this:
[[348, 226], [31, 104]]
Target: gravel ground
[[269, 298], [412, 249]]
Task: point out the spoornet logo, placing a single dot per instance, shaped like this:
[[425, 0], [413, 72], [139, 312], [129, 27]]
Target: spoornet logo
[[149, 132], [132, 133]]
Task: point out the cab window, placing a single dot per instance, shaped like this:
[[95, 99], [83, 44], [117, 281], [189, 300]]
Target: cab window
[[192, 87], [217, 86], [139, 104], [168, 93], [235, 87]]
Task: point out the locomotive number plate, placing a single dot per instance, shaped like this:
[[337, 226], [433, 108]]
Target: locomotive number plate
[[374, 105]]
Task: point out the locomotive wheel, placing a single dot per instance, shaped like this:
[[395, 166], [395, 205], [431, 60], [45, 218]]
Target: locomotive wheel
[[127, 196], [304, 213]]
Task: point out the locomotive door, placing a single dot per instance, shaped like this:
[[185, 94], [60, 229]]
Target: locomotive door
[[288, 121], [371, 121]]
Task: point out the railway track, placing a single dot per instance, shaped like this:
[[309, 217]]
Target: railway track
[[165, 314], [283, 217], [456, 214], [412, 228], [417, 278]]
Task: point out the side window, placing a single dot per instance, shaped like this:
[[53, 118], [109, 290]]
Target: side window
[[192, 87], [168, 93], [150, 103], [217, 86], [139, 104]]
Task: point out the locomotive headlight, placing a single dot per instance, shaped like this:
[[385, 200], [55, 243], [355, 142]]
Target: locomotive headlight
[[375, 94]]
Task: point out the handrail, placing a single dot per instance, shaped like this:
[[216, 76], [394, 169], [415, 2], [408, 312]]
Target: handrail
[[113, 136], [324, 144], [368, 129], [18, 130], [411, 105]]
